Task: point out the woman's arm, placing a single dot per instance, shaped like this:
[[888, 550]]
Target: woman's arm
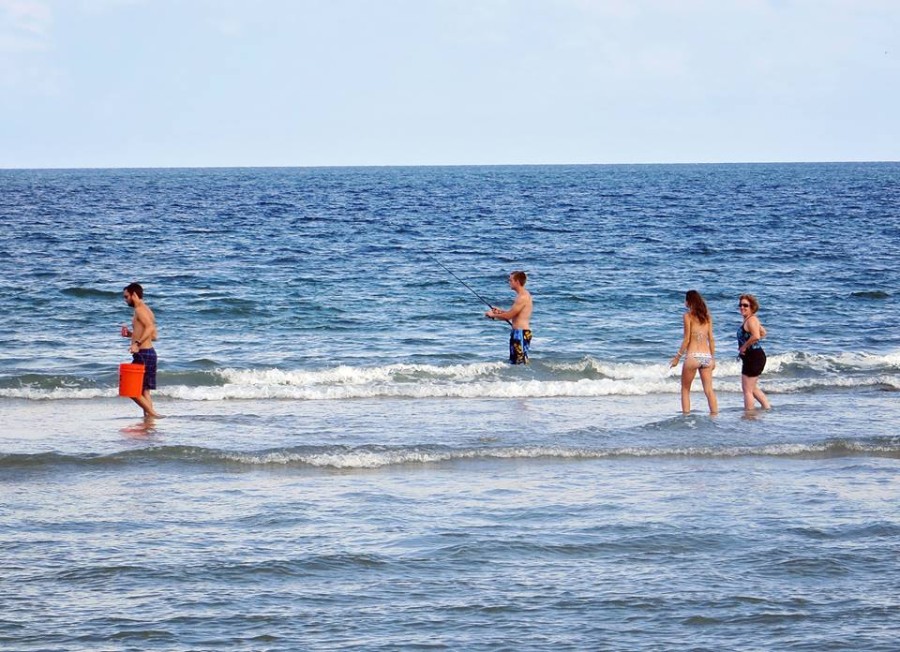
[[685, 341], [754, 328]]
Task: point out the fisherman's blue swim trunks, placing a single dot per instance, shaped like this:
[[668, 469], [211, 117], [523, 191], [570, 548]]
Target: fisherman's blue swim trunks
[[519, 345]]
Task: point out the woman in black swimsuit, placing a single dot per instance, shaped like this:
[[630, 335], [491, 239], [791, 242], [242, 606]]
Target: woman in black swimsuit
[[751, 352]]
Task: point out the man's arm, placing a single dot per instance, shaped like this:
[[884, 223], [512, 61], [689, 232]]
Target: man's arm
[[517, 306]]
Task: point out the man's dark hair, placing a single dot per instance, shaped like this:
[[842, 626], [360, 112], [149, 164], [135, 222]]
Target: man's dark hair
[[135, 288]]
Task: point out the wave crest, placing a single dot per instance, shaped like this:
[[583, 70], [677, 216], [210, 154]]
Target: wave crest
[[372, 456], [790, 372]]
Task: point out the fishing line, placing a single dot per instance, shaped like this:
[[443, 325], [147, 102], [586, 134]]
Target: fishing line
[[466, 285]]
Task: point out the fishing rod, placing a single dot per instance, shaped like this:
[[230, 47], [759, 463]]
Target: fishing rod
[[467, 286]]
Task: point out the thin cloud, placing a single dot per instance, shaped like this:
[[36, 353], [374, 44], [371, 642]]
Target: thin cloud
[[25, 36], [25, 21]]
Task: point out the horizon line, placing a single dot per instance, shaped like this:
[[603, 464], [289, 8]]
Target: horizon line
[[434, 165]]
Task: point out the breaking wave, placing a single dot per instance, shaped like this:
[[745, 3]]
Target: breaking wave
[[378, 456], [589, 377]]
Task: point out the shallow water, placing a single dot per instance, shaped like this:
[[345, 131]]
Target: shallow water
[[347, 461]]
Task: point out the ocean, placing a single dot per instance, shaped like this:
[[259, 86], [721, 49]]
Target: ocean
[[347, 461]]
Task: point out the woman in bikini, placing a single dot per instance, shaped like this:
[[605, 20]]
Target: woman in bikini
[[699, 349], [752, 356]]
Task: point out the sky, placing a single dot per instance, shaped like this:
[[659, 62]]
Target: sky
[[222, 83]]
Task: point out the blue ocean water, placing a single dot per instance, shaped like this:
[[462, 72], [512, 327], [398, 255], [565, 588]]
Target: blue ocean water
[[347, 461]]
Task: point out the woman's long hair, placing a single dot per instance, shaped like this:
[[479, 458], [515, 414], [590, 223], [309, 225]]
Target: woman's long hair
[[697, 306]]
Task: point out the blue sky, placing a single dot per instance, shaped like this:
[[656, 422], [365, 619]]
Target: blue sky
[[149, 83]]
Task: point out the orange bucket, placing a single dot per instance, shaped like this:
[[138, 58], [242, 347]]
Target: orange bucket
[[131, 380]]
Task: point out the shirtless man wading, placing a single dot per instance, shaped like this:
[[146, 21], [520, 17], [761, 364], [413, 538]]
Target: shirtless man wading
[[142, 334], [519, 315]]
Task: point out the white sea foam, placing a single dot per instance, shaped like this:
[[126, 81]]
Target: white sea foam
[[369, 459], [785, 373], [428, 389], [832, 382], [347, 375], [59, 393], [610, 369]]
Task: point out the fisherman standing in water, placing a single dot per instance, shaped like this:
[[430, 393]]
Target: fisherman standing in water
[[142, 334], [518, 316]]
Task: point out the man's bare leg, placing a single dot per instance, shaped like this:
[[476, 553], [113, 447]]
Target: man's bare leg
[[146, 404]]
